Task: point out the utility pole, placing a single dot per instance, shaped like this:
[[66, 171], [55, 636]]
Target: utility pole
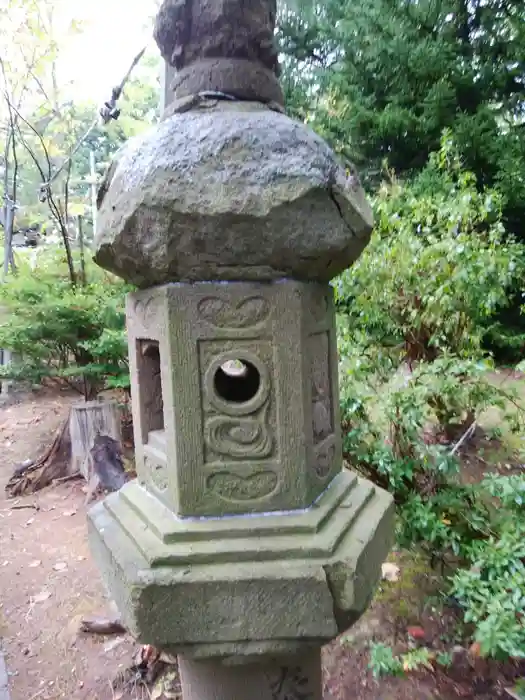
[[82, 252], [166, 93], [93, 179], [9, 222]]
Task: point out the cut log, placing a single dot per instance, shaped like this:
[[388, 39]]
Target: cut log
[[87, 421]]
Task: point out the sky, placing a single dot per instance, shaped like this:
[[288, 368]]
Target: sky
[[115, 31]]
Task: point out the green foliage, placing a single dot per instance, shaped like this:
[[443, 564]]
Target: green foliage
[[415, 384], [383, 661], [444, 658], [391, 433], [519, 689], [398, 434], [77, 334], [492, 590], [438, 267], [382, 80], [509, 490]]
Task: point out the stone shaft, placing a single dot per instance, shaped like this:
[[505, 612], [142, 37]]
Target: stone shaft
[[281, 679]]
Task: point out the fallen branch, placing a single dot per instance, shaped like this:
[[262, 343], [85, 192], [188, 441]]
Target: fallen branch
[[70, 477], [102, 626], [466, 435]]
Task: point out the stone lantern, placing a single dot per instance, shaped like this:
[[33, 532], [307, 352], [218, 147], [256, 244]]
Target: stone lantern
[[243, 546]]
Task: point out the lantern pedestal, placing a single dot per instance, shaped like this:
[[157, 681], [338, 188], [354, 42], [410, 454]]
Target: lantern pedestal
[[277, 679], [243, 534], [243, 586]]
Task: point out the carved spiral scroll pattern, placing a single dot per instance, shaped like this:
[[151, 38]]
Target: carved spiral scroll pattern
[[321, 421], [158, 474], [239, 438], [239, 434], [246, 313], [146, 311], [237, 430], [237, 488], [322, 405], [322, 417], [324, 460]]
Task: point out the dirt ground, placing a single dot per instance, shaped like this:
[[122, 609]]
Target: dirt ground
[[48, 583], [47, 579]]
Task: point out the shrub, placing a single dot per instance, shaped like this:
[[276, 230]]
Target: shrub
[[55, 330], [395, 432], [383, 662], [492, 589], [393, 436], [439, 266], [414, 383]]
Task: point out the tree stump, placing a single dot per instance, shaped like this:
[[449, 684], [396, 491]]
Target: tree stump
[[52, 464], [88, 442], [87, 421]]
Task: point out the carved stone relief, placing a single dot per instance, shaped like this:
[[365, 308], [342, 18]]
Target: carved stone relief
[[237, 430], [238, 488], [222, 313], [239, 437], [239, 420], [322, 411], [158, 474], [324, 459], [146, 310], [321, 420], [322, 415], [293, 683]]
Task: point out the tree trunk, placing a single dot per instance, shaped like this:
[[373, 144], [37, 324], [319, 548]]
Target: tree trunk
[[87, 421]]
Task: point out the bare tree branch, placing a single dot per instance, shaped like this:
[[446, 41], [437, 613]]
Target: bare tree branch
[[30, 152], [60, 216]]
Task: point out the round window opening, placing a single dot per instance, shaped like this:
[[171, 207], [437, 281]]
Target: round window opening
[[237, 381]]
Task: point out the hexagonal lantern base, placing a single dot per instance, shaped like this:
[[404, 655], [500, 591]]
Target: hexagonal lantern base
[[243, 585]]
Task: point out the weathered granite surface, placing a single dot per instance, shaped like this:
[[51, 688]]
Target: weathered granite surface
[[221, 45], [233, 192], [274, 446], [242, 537], [227, 588]]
